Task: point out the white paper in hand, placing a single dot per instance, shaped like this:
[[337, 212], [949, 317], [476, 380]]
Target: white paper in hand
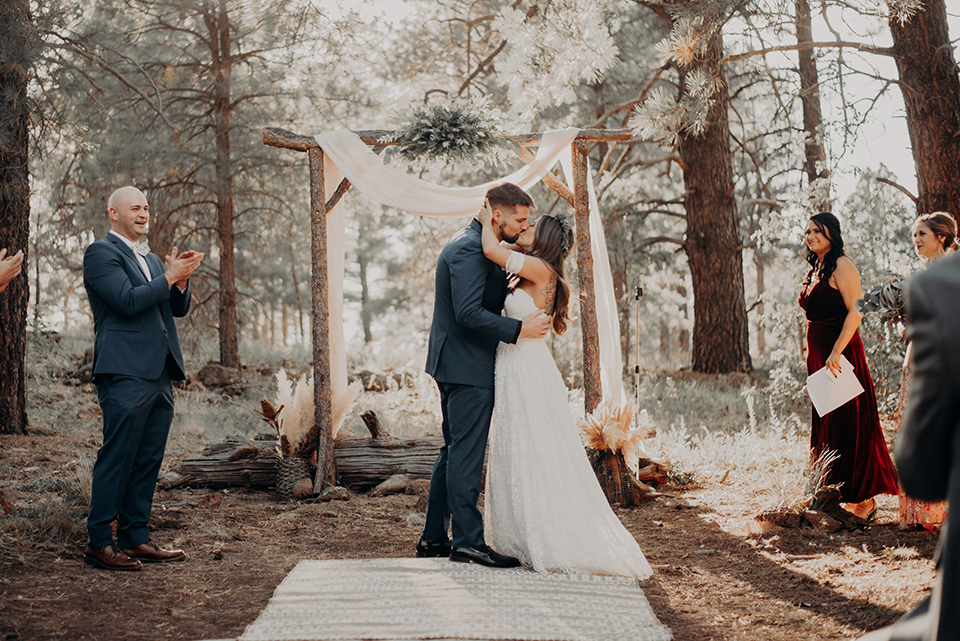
[[828, 392]]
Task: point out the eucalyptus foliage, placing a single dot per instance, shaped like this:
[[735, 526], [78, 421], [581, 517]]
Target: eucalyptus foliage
[[461, 131]]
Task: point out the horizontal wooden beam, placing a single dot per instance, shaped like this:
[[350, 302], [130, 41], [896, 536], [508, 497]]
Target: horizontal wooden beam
[[276, 137]]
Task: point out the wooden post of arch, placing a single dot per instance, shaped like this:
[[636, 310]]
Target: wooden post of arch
[[319, 206], [592, 393], [320, 334]]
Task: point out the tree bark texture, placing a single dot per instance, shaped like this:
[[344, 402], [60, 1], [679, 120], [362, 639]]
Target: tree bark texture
[[218, 26], [592, 392], [931, 95], [322, 394], [366, 317], [817, 174], [713, 245], [16, 47]]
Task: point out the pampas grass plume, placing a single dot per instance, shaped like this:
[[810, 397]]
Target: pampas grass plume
[[342, 403], [296, 417], [610, 427]]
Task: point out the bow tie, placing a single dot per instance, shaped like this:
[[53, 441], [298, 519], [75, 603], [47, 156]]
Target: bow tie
[[141, 247]]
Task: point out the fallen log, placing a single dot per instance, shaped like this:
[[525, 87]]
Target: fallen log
[[365, 463], [650, 471], [362, 463]]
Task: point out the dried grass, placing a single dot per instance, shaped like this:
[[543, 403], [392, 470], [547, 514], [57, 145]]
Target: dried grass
[[56, 512]]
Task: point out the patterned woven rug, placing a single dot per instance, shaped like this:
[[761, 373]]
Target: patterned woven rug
[[408, 599]]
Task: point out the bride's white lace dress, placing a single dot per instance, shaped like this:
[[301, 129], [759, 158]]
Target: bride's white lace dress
[[542, 501]]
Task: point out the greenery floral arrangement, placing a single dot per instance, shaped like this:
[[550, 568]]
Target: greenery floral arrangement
[[463, 130], [887, 300]]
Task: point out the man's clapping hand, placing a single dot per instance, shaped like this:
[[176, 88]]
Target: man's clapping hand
[[181, 266], [9, 267], [535, 325]]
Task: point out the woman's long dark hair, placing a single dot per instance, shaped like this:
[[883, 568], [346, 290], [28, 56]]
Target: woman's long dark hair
[[829, 226], [551, 243]]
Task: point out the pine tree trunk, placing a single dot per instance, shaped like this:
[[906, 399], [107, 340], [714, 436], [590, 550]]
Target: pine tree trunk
[[713, 245], [365, 316], [15, 47], [296, 291], [931, 95], [817, 175], [760, 265], [218, 26]]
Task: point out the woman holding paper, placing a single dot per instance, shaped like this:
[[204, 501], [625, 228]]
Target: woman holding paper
[[934, 235], [863, 468]]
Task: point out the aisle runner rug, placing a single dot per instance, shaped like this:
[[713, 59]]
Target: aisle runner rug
[[407, 599]]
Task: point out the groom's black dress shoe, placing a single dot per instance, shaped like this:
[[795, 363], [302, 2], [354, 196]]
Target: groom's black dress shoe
[[484, 555], [428, 549]]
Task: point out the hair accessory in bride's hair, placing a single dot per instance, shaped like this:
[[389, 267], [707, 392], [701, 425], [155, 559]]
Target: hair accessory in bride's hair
[[567, 230]]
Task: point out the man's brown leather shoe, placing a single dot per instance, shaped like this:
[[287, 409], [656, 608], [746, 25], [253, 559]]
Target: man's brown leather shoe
[[150, 552], [109, 557]]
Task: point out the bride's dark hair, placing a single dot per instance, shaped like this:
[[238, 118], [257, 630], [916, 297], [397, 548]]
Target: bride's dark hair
[[829, 226], [552, 239]]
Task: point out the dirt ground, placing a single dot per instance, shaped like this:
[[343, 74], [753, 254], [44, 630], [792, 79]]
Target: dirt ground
[[715, 577]]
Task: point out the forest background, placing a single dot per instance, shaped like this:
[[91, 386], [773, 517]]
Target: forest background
[[748, 116]]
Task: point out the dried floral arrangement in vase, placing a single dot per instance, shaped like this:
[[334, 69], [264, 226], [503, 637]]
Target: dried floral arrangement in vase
[[292, 417], [613, 445]]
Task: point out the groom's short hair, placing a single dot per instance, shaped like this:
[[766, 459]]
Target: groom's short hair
[[509, 195]]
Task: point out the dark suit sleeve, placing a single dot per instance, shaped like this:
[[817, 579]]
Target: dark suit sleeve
[[103, 271], [180, 301], [924, 446], [468, 279]]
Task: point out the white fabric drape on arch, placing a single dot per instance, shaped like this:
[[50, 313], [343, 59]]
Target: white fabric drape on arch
[[345, 155]]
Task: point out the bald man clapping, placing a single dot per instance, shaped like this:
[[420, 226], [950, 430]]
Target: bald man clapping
[[134, 298]]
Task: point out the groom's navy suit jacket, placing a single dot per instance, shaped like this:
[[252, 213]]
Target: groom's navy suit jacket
[[132, 318], [467, 325]]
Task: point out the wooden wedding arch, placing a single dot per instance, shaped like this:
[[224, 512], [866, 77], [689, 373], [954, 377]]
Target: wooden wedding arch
[[319, 206]]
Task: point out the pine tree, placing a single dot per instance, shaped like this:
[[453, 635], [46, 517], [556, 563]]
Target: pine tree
[[931, 95], [19, 46]]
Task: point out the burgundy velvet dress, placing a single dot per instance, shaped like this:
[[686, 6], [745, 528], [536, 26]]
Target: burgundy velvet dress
[[864, 468]]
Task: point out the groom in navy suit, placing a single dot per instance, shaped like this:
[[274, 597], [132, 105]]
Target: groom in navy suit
[[467, 327], [136, 354]]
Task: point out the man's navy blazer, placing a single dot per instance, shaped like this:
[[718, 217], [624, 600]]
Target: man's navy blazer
[[132, 318], [467, 324]]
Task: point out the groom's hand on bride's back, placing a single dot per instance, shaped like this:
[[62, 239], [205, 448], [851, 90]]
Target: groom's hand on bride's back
[[535, 325]]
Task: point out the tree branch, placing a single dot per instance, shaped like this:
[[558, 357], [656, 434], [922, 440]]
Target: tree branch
[[900, 187], [77, 48], [483, 63], [859, 46], [646, 242]]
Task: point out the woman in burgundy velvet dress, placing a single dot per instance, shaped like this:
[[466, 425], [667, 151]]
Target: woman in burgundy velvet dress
[[830, 290]]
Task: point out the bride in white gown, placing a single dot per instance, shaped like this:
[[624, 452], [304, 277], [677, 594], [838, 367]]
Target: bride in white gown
[[542, 501]]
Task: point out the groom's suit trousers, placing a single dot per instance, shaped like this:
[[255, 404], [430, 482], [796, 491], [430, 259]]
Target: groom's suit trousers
[[457, 475]]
